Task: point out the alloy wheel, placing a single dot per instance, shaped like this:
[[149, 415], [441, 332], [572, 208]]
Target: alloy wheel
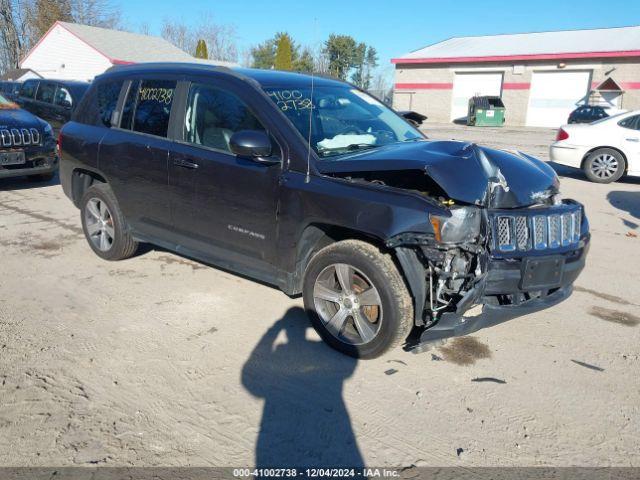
[[604, 166], [99, 224], [348, 304]]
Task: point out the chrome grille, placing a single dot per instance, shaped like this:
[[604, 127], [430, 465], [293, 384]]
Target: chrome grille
[[522, 234], [19, 137], [549, 230], [554, 231], [505, 237], [540, 232]]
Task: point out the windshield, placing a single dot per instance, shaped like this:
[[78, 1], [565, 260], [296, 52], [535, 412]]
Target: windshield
[[342, 120], [6, 104]]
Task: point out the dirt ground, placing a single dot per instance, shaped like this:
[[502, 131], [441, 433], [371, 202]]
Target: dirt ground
[[160, 360]]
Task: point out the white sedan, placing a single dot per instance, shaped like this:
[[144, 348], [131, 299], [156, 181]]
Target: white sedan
[[606, 149]]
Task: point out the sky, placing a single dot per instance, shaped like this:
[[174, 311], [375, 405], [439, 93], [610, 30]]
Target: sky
[[393, 28]]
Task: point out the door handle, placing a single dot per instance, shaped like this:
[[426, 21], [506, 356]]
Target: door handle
[[181, 162], [632, 139]]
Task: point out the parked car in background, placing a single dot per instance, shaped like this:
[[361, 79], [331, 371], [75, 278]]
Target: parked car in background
[[320, 189], [606, 149], [591, 113], [10, 90], [52, 100], [27, 144]]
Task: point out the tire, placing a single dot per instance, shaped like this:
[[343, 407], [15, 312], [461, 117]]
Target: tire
[[364, 326], [98, 225], [42, 177], [604, 165]]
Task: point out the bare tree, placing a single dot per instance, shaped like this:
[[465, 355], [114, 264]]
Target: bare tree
[[220, 38], [14, 40], [96, 13]]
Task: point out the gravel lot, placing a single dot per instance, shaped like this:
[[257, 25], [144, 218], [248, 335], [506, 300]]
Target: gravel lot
[[160, 360]]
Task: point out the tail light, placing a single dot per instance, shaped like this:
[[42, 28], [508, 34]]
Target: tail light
[[562, 135], [59, 143]]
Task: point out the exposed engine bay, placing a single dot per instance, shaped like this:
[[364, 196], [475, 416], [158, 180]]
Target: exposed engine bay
[[467, 271]]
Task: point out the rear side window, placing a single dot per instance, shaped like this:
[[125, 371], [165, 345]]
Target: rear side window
[[153, 107], [632, 123], [107, 94], [63, 98], [28, 89], [214, 115], [46, 92], [97, 106]]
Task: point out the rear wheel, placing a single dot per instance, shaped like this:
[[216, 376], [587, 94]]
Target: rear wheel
[[604, 165], [357, 299], [104, 225]]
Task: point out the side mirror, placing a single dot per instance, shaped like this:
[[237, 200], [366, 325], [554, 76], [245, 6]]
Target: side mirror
[[414, 118], [251, 144]]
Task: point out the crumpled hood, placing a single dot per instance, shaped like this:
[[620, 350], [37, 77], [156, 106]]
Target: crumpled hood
[[19, 118], [466, 172]]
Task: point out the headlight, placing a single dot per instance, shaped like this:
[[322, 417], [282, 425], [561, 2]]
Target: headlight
[[48, 131], [462, 226]]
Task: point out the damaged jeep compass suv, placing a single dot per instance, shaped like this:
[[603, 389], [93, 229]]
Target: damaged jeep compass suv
[[314, 186]]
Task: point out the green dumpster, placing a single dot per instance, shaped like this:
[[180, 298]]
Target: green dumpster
[[486, 112]]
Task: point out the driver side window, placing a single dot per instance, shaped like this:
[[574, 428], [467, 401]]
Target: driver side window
[[214, 115]]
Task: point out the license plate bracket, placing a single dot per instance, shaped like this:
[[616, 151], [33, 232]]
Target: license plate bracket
[[12, 158], [540, 273]]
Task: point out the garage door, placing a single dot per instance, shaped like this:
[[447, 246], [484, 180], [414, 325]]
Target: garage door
[[467, 85], [554, 95]]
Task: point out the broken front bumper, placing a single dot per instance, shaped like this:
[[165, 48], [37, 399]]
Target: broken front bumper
[[504, 293]]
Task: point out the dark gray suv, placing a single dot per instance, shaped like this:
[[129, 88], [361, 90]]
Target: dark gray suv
[[314, 186]]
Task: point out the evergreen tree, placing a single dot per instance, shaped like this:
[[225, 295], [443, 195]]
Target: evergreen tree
[[284, 52], [342, 53], [201, 50]]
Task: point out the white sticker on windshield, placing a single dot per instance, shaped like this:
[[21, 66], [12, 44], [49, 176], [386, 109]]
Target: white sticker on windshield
[[367, 98]]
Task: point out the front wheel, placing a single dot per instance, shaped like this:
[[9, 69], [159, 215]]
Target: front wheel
[[604, 165], [356, 299]]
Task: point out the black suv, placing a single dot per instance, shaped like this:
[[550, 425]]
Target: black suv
[[589, 113], [314, 186], [52, 100], [27, 145]]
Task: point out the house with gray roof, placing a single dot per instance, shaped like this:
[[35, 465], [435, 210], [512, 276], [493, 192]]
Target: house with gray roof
[[72, 51]]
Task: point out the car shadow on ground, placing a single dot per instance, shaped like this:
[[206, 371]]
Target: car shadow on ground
[[576, 173], [627, 202], [305, 420], [25, 183]]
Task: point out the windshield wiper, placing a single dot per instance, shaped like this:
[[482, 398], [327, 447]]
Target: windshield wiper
[[348, 148]]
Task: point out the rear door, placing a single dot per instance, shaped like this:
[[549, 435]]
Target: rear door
[[134, 155], [43, 105], [223, 205], [630, 140], [61, 108]]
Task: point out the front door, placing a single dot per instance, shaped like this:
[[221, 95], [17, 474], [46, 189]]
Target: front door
[[221, 204]]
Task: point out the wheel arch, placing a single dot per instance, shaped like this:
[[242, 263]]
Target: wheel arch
[[81, 180], [317, 236]]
